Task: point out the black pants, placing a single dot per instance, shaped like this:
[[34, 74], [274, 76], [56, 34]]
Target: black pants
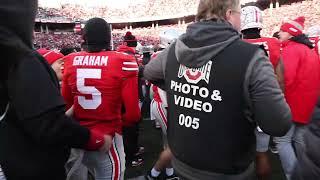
[[130, 141]]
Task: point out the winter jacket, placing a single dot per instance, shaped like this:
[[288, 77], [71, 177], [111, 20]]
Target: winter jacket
[[302, 79]]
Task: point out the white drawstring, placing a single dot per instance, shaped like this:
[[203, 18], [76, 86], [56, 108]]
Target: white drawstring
[[5, 113]]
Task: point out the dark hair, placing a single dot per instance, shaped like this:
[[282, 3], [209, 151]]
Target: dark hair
[[97, 35], [67, 50], [252, 33], [276, 35]]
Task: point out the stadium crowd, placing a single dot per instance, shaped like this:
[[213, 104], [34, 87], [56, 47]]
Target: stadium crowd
[[52, 14], [235, 84], [61, 40], [149, 35], [272, 20], [132, 11], [57, 41]]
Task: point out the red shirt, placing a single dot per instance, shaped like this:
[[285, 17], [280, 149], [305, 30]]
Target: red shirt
[[271, 45], [315, 41], [99, 85], [302, 80]]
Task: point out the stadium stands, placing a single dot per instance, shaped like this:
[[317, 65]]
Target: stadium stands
[[149, 35], [132, 13], [274, 18]]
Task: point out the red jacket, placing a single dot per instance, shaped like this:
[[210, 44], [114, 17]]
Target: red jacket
[[315, 41], [302, 80], [271, 45], [99, 85]]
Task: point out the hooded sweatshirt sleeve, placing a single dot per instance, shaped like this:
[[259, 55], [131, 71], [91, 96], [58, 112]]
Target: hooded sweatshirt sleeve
[[265, 98]]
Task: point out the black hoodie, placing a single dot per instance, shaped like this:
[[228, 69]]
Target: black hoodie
[[16, 27], [35, 134]]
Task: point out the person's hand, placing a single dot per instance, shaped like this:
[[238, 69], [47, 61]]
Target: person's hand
[[107, 144], [70, 112]]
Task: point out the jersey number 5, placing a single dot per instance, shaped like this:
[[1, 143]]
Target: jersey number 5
[[82, 75]]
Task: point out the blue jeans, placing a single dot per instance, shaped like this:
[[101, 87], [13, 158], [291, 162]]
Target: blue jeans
[[285, 146], [262, 141]]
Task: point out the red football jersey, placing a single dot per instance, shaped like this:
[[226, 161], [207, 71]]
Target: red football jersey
[[99, 85], [271, 45], [315, 41]]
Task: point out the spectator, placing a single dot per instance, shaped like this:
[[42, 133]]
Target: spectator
[[131, 131], [55, 60], [301, 88], [314, 36], [35, 132], [203, 59]]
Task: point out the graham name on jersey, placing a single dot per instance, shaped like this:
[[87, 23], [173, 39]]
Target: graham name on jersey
[[90, 60]]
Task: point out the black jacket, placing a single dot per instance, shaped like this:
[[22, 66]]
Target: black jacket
[[35, 134], [308, 166]]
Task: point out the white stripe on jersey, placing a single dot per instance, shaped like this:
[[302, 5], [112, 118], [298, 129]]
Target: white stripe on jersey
[[130, 63], [130, 69]]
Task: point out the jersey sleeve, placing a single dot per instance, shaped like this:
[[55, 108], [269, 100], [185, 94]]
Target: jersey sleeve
[[129, 93], [65, 88]]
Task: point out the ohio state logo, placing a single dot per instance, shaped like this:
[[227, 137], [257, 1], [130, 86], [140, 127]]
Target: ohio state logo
[[195, 75]]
